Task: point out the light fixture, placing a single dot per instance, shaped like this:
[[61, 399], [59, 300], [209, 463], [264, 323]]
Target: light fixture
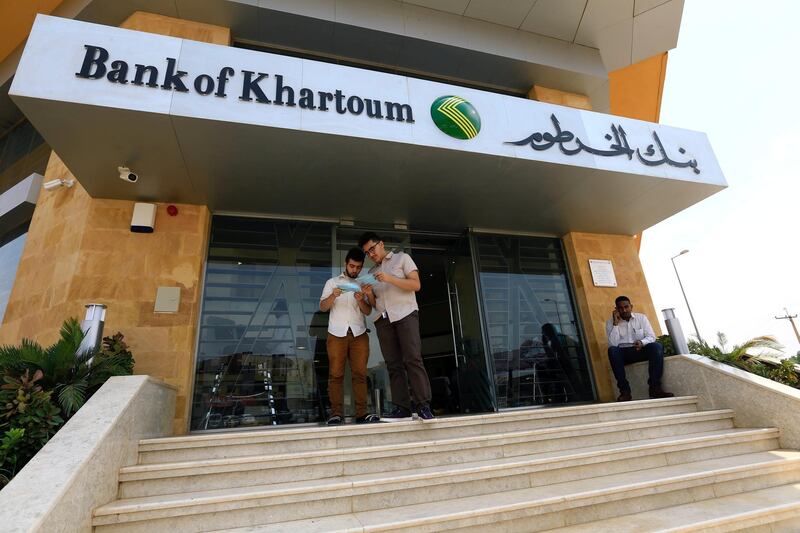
[[696, 331]]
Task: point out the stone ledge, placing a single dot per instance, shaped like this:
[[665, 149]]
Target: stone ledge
[[757, 401], [77, 470]]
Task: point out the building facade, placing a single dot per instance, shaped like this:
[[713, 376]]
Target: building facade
[[512, 149]]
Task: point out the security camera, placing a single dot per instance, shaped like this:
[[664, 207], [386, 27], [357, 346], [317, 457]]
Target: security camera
[[125, 174], [56, 183]]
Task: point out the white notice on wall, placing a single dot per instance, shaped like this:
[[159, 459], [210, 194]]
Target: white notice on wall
[[602, 273]]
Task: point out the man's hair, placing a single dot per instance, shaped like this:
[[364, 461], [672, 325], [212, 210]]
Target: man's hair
[[356, 254], [622, 299], [368, 236]]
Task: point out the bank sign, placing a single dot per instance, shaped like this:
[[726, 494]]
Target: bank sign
[[98, 65]]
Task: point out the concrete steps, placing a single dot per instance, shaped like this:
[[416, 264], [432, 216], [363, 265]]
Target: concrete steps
[[222, 445], [525, 471], [152, 479]]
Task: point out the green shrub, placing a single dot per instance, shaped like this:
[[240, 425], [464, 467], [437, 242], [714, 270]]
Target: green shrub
[[666, 342], [72, 378], [764, 363], [43, 387], [25, 406], [10, 444]]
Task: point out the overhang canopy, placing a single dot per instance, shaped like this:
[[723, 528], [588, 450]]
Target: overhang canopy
[[355, 143]]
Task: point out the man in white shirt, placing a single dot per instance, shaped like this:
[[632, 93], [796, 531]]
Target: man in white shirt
[[347, 338], [631, 339], [394, 298]]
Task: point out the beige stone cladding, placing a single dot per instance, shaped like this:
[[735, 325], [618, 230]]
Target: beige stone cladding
[[595, 303], [81, 250]]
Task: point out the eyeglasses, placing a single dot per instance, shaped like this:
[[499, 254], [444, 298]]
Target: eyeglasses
[[371, 249]]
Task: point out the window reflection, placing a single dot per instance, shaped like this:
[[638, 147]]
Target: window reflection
[[10, 254], [260, 330], [530, 322]]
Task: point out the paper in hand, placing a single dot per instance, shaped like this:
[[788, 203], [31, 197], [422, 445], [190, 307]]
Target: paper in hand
[[367, 279], [349, 286]]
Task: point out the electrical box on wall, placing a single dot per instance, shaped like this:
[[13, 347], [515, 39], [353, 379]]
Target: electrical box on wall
[[144, 218], [168, 300]]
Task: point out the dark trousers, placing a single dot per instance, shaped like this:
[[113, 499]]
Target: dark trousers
[[402, 350], [652, 352]]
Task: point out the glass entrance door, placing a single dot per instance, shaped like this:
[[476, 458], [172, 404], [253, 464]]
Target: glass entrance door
[[530, 322], [452, 348], [260, 332]]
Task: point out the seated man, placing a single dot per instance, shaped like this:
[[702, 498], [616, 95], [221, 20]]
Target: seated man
[[630, 340]]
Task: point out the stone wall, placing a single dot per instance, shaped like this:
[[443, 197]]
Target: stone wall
[[596, 303], [81, 250], [77, 470]]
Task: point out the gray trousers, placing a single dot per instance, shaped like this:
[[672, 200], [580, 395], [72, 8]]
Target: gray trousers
[[402, 350]]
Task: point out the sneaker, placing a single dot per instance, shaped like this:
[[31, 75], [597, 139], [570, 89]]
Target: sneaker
[[425, 413], [399, 414], [368, 419], [658, 392], [335, 420], [624, 396]]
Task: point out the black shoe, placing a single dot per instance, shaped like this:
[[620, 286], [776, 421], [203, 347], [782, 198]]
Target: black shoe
[[624, 396], [658, 392], [368, 419], [335, 420], [425, 413], [399, 414]]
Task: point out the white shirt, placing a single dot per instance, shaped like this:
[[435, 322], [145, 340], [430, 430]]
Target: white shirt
[[395, 302], [344, 313], [638, 328]]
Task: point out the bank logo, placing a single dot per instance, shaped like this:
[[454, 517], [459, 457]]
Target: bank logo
[[456, 117]]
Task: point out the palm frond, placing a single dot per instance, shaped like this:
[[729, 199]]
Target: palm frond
[[764, 345], [72, 396]]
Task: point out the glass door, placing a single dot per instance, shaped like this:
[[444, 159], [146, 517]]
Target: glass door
[[452, 348], [530, 322], [261, 335]]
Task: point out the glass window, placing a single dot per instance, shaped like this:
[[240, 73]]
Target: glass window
[[10, 254], [260, 328], [530, 322]]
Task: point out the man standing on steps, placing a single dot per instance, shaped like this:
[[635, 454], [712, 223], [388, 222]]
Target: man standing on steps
[[397, 324], [631, 339], [347, 339]]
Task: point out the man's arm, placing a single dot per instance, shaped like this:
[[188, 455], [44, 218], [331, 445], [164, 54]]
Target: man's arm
[[411, 283], [363, 303], [649, 334], [329, 295], [367, 289], [612, 333]]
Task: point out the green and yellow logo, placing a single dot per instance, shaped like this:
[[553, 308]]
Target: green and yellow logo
[[456, 117]]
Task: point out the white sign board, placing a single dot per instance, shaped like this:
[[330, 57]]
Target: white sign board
[[602, 273], [72, 61]]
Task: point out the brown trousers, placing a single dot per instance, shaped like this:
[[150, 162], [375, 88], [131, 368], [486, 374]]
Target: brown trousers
[[340, 350]]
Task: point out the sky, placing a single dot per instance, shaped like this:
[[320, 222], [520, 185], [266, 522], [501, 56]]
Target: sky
[[734, 76]]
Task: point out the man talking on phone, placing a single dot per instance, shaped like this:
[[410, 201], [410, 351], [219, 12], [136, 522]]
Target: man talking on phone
[[631, 339]]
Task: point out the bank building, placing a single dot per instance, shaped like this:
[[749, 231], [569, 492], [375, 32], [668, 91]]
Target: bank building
[[201, 169]]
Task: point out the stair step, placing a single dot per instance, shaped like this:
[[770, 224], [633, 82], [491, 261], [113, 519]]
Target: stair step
[[153, 479], [278, 441], [777, 508], [382, 499], [739, 512]]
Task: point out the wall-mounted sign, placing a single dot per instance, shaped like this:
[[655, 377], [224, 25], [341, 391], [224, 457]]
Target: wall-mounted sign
[[618, 145], [456, 117], [602, 273], [79, 63], [96, 66]]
